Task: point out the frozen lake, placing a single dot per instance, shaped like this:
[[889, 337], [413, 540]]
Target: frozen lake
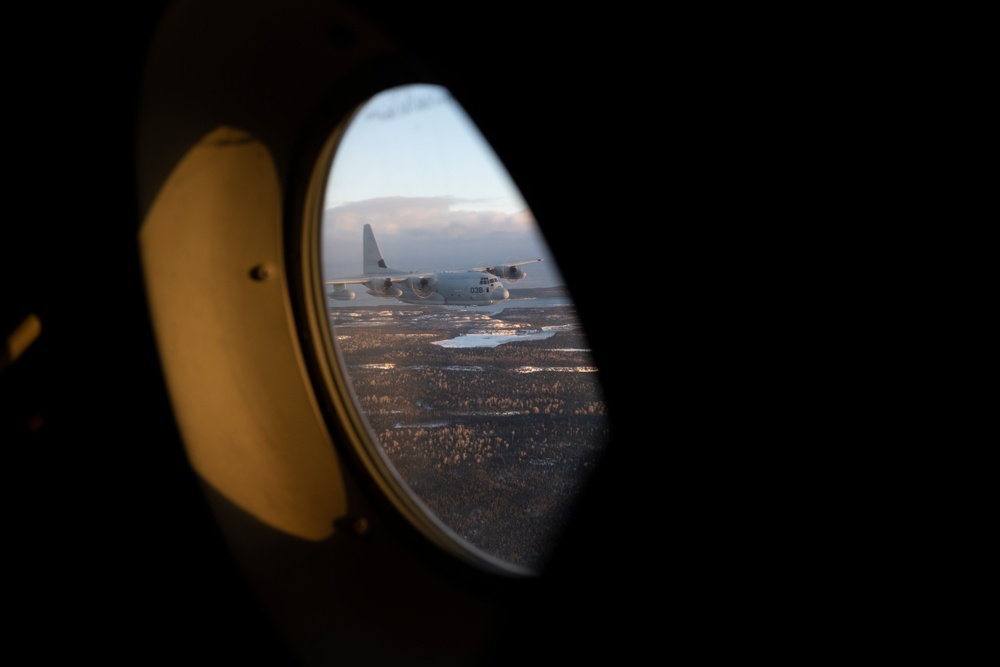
[[495, 339]]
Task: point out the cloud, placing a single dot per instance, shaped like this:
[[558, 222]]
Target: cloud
[[440, 232], [433, 217]]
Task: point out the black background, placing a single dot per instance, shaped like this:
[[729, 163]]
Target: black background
[[621, 142]]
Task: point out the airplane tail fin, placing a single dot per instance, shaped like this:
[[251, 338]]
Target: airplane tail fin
[[373, 262]]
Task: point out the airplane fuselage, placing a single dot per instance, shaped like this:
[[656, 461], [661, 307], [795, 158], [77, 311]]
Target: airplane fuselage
[[458, 288]]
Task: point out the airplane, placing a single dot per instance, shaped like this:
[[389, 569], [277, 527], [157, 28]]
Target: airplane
[[457, 287]]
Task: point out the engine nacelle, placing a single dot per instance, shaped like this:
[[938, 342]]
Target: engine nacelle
[[507, 272]]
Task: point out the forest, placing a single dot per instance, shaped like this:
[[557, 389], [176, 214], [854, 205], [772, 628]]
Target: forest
[[498, 441]]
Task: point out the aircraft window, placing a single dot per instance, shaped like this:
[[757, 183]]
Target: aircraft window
[[480, 410]]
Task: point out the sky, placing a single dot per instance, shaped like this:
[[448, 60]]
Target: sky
[[415, 166]]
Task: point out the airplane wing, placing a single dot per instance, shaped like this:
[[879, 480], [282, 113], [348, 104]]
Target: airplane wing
[[377, 284], [495, 268], [507, 270], [357, 280]]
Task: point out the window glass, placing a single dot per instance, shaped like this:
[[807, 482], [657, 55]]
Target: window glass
[[454, 328]]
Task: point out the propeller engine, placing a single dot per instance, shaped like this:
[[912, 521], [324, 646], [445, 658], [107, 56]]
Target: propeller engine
[[422, 283], [383, 288], [507, 272]]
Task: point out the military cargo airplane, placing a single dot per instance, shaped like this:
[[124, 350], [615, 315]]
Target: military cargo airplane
[[459, 287]]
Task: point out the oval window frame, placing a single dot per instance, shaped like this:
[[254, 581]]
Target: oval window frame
[[353, 435]]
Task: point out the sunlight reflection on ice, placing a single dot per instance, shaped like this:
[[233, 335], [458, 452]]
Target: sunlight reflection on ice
[[557, 369]]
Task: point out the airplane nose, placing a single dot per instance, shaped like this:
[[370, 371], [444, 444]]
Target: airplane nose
[[503, 293]]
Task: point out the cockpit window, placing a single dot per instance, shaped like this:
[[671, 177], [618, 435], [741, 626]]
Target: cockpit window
[[459, 343]]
